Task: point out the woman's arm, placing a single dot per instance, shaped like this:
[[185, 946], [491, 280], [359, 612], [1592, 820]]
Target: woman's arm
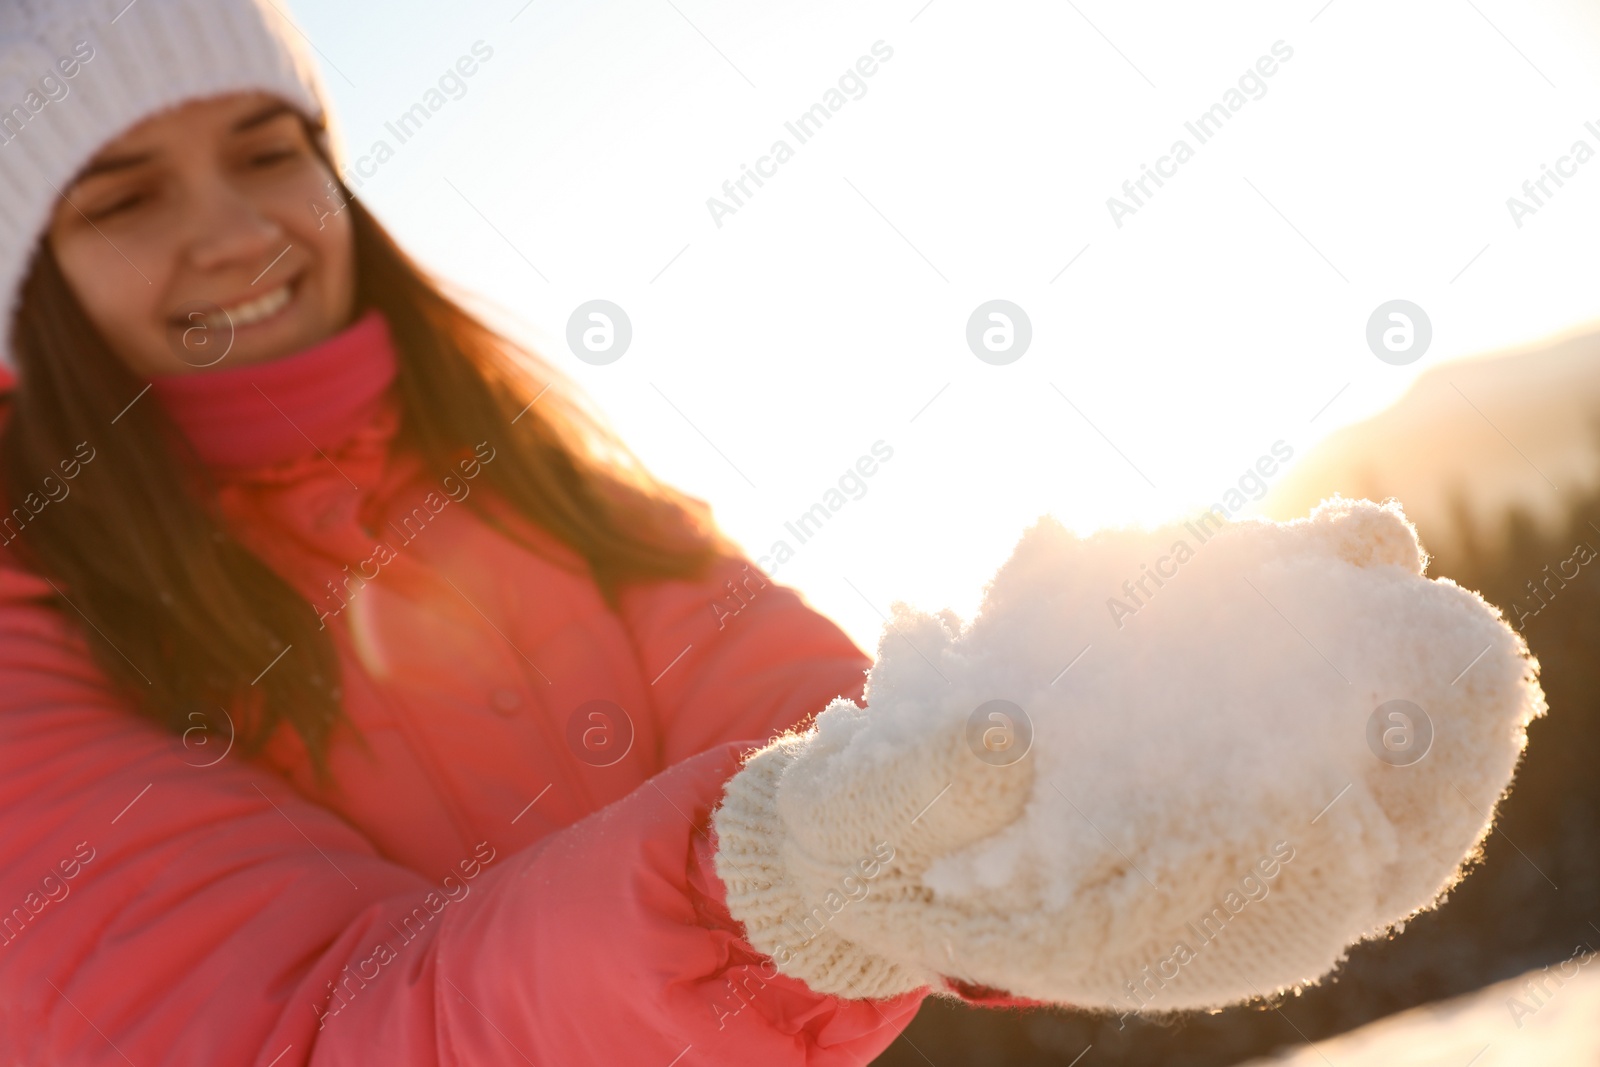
[[155, 910], [736, 655], [759, 660]]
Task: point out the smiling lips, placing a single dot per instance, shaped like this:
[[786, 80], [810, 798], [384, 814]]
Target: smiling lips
[[250, 312]]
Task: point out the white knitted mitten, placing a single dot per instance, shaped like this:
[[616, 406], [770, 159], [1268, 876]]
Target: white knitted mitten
[[1160, 769]]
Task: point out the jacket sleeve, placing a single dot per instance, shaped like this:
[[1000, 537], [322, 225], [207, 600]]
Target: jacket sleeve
[[162, 906], [739, 655], [736, 655]]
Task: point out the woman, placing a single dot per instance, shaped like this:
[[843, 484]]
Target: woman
[[360, 702]]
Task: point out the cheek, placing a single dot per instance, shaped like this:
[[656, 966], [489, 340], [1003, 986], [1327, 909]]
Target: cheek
[[312, 217], [120, 301], [338, 255]]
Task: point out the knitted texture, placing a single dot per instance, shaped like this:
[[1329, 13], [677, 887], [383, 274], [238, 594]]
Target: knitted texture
[[75, 74], [827, 874], [1202, 793]]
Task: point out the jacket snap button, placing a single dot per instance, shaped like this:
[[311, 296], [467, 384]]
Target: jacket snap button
[[505, 701]]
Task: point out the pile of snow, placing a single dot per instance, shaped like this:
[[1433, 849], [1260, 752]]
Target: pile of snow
[[1223, 797], [1546, 1017]]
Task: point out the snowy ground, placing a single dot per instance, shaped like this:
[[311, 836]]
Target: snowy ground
[[1513, 1024]]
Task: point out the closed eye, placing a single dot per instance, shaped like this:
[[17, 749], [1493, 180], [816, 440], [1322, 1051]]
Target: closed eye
[[125, 204], [267, 159]]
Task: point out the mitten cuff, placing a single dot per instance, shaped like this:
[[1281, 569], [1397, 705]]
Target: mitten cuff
[[779, 915]]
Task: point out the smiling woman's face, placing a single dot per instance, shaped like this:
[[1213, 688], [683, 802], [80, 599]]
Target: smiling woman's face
[[206, 229]]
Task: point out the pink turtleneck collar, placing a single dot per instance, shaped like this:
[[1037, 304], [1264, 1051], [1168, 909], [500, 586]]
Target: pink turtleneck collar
[[285, 408]]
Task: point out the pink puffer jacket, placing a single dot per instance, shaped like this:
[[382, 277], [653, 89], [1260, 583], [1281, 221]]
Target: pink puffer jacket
[[519, 870]]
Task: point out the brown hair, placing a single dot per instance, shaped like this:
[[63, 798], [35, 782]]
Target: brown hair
[[180, 615]]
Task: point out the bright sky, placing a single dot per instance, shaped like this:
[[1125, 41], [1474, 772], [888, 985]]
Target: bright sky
[[830, 310]]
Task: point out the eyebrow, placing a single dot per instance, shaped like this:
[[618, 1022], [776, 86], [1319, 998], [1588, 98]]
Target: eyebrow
[[266, 114], [112, 164]]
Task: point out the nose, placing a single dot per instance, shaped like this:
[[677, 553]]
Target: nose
[[230, 230]]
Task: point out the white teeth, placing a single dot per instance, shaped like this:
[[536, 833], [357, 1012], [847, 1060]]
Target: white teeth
[[261, 307]]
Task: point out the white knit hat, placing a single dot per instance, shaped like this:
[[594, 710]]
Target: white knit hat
[[75, 74]]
